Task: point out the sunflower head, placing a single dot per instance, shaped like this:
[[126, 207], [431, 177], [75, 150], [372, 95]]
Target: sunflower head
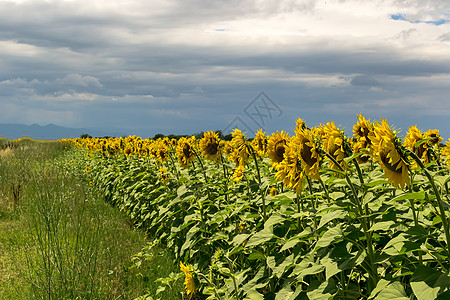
[[185, 151], [189, 283], [308, 147], [335, 143], [290, 170], [239, 146], [238, 173], [434, 135], [413, 136], [446, 152], [276, 147], [273, 192], [362, 129], [210, 146], [163, 174], [388, 151], [259, 143]]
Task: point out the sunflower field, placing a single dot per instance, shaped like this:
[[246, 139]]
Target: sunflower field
[[313, 215]]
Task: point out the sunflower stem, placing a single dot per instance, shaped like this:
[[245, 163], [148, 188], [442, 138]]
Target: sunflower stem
[[313, 207], [225, 177], [259, 182], [325, 189], [202, 214], [438, 198], [373, 274]]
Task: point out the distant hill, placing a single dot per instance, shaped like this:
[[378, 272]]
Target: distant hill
[[47, 132]]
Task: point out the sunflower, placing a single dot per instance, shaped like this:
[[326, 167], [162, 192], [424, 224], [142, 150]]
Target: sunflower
[[128, 151], [361, 132], [446, 151], [185, 151], [334, 144], [209, 146], [238, 173], [164, 175], [259, 143], [289, 169], [189, 282], [309, 152], [413, 136], [273, 192], [162, 150], [276, 147], [434, 135], [239, 145], [387, 150]]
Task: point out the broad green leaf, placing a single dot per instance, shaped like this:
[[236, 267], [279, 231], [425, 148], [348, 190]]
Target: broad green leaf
[[281, 268], [311, 270], [427, 283], [322, 291], [260, 237], [393, 291], [329, 237], [274, 219], [240, 238], [285, 293], [329, 216], [414, 195], [381, 226]]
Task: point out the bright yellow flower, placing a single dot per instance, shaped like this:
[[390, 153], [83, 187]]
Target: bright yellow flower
[[189, 282], [273, 192], [290, 170], [309, 152], [259, 143], [164, 175], [413, 136], [276, 147], [334, 143], [239, 145], [185, 151], [446, 151], [361, 132], [434, 135], [238, 173], [209, 146], [387, 151]]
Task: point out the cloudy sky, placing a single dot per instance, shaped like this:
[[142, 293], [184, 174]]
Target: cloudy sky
[[184, 66]]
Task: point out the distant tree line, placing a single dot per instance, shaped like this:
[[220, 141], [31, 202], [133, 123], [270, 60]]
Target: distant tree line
[[197, 135]]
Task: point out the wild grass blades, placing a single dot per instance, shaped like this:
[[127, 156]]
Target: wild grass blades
[[63, 241]]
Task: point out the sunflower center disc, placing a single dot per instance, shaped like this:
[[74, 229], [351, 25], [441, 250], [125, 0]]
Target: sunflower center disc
[[211, 148], [389, 166], [307, 154]]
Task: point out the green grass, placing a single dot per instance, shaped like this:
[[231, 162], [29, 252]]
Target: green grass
[[60, 240]]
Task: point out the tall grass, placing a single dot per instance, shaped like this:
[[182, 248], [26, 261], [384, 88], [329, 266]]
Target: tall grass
[[59, 239]]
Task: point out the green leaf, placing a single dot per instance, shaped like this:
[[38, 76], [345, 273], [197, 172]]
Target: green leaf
[[296, 239], [381, 226], [285, 293], [393, 291], [422, 195], [240, 238], [260, 237], [329, 237], [329, 216], [427, 283], [322, 291], [311, 270], [274, 219]]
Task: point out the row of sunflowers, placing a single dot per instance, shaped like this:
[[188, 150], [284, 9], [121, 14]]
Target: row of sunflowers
[[315, 215]]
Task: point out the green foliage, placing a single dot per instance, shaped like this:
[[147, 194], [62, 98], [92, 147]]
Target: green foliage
[[347, 237]]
